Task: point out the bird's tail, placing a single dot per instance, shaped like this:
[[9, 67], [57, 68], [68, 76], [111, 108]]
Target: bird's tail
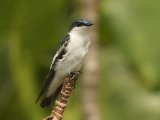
[[47, 100]]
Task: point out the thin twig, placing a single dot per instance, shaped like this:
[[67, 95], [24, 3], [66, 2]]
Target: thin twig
[[61, 103]]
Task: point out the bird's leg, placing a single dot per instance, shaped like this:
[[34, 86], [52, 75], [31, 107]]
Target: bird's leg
[[74, 74]]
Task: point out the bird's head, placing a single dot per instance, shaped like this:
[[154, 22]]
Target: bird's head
[[80, 25]]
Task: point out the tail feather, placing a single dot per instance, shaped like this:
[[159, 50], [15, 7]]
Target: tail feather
[[47, 100]]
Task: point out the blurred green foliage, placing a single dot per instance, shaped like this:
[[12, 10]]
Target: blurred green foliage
[[129, 48], [131, 58]]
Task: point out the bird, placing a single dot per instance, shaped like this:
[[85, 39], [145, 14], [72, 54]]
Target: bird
[[70, 57]]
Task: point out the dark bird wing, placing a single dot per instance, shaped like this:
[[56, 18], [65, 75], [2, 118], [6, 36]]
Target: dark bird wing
[[48, 80], [65, 40], [59, 55]]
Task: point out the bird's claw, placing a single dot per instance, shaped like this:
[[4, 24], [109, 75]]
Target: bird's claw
[[76, 73], [75, 76]]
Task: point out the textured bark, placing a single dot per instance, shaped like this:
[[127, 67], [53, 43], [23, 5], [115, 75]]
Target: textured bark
[[61, 103], [90, 82]]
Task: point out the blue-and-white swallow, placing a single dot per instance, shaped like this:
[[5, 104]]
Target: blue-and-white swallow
[[69, 58]]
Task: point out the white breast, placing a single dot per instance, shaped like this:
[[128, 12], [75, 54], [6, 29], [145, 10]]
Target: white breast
[[78, 49]]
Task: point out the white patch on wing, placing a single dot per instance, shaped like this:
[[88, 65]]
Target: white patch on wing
[[58, 52]]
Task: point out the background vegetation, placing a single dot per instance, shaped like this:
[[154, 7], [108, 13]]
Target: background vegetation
[[129, 88]]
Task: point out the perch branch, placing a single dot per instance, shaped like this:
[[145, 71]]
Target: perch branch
[[61, 103]]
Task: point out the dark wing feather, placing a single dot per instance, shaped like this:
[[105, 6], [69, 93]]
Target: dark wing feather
[[48, 80], [64, 40], [61, 52], [59, 55]]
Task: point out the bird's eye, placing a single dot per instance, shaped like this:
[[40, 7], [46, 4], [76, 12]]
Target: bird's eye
[[79, 24]]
